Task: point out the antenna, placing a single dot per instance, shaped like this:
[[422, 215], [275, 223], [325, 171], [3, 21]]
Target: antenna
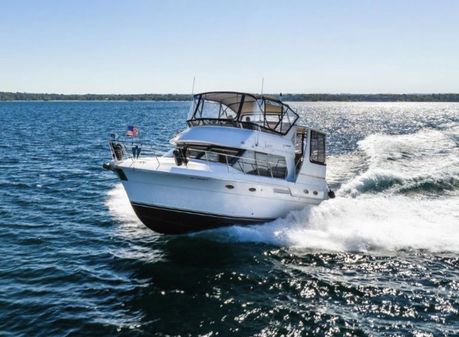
[[192, 87], [262, 85]]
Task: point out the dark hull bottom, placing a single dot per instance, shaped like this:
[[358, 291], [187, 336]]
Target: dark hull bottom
[[175, 221]]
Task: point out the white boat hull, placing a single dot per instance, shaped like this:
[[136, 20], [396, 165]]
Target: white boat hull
[[177, 203]]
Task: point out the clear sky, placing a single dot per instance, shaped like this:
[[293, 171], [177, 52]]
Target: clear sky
[[140, 46]]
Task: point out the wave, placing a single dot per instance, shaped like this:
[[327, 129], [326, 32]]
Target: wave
[[426, 161], [346, 224], [118, 204], [120, 209]]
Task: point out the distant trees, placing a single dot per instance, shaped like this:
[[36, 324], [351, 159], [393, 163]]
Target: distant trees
[[373, 97], [21, 96]]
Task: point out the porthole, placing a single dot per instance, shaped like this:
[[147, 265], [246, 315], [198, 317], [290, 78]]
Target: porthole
[[315, 193], [230, 187], [252, 189], [306, 191]]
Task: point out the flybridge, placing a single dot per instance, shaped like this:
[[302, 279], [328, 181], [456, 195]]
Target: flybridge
[[241, 110]]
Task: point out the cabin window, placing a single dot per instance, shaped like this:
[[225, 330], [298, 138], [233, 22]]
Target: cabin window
[[212, 153], [300, 142], [317, 154], [249, 162], [195, 152], [262, 164]]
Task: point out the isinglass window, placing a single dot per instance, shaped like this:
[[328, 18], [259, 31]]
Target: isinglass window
[[317, 154]]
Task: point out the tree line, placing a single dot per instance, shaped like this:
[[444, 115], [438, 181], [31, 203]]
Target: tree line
[[22, 96]]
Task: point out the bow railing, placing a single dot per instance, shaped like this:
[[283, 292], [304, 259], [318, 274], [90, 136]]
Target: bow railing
[[135, 149]]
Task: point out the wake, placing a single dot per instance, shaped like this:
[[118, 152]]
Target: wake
[[346, 224]]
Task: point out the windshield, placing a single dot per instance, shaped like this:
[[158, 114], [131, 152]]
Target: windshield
[[241, 110]]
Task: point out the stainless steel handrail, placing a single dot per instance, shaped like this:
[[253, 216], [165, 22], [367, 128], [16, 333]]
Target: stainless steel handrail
[[128, 145], [145, 149]]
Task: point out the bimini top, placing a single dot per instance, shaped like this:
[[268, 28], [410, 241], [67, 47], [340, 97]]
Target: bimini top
[[241, 110]]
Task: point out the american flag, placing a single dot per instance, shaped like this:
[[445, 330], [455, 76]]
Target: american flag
[[132, 131]]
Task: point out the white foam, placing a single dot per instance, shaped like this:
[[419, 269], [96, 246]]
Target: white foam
[[401, 162], [141, 239], [346, 224], [119, 205], [130, 225]]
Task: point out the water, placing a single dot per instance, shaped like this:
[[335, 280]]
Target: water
[[382, 259]]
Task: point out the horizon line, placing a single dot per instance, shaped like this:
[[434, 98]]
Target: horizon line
[[269, 94]]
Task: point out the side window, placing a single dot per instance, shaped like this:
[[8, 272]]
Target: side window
[[195, 152], [278, 166], [262, 164], [317, 154], [213, 154]]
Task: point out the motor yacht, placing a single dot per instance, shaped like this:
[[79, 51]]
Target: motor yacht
[[242, 160]]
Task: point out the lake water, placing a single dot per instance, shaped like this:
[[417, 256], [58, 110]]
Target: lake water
[[381, 259]]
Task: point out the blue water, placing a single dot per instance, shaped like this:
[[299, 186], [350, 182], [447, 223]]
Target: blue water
[[382, 259]]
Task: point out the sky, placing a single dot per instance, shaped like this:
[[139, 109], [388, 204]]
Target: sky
[[148, 46]]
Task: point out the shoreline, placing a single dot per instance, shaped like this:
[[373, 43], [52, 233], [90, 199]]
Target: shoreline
[[287, 97]]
